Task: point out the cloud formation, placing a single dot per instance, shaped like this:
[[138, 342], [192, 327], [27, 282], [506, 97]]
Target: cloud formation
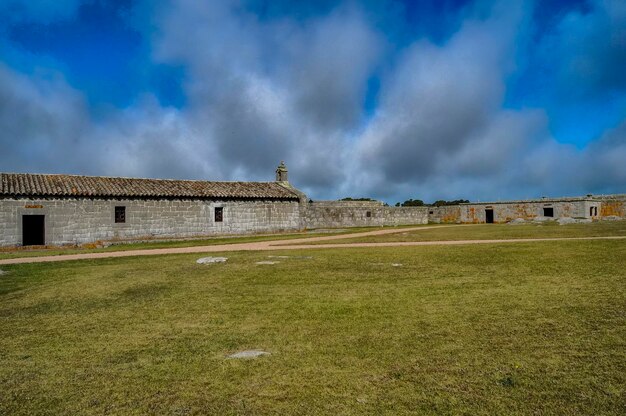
[[259, 90]]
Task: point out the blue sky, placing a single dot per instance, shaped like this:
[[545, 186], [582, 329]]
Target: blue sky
[[388, 99]]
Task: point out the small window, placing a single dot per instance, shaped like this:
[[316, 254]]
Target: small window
[[548, 212], [431, 212], [368, 214], [219, 214], [120, 215]]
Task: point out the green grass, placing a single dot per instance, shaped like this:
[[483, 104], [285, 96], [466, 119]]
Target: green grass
[[9, 253], [527, 328], [497, 231]]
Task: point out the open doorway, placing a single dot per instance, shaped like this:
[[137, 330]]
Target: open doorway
[[33, 230], [489, 216]]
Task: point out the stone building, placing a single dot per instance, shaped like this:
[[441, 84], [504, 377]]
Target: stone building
[[40, 209], [588, 207], [63, 209]]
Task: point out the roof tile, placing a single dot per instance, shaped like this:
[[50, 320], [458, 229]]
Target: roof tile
[[27, 184]]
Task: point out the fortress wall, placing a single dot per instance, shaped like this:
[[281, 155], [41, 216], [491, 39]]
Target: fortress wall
[[613, 208], [405, 215], [338, 214], [507, 211], [450, 214]]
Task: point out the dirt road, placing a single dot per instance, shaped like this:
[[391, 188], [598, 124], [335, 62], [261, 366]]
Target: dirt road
[[293, 244]]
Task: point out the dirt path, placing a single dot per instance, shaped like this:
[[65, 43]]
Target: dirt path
[[293, 245]]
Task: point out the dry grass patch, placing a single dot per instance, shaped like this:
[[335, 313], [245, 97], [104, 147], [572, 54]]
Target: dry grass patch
[[526, 329], [496, 231]]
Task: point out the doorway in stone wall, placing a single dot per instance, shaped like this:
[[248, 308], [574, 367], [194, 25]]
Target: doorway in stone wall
[[33, 230], [489, 216]]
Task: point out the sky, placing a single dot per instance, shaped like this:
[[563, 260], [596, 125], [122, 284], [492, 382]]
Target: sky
[[389, 99]]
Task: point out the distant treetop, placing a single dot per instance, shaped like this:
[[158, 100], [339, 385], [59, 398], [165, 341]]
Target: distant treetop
[[357, 199], [438, 203]]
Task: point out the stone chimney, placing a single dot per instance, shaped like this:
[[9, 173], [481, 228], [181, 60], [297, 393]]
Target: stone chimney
[[281, 172]]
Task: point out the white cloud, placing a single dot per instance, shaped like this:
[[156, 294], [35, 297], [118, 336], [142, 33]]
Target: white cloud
[[263, 91]]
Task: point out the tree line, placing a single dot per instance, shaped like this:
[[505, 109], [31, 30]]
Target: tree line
[[416, 202], [438, 203]]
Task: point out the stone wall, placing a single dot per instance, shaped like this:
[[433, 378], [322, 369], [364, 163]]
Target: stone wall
[[613, 208], [450, 214], [405, 216], [528, 210], [612, 205], [76, 221], [337, 214]]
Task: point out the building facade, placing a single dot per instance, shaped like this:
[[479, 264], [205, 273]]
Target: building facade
[[63, 209], [53, 210], [589, 207]]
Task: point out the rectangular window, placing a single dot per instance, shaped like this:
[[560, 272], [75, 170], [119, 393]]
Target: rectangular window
[[368, 214], [120, 215], [548, 212], [219, 214]]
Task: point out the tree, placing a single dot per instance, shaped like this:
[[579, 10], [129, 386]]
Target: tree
[[412, 203], [438, 203], [357, 199]]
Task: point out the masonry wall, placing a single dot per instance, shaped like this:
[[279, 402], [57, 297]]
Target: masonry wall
[[337, 214], [405, 216], [505, 212], [613, 208], [77, 221], [612, 205], [450, 214]]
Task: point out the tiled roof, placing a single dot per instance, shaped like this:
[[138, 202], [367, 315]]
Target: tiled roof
[[27, 184]]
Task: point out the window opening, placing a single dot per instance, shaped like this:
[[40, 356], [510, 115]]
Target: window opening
[[219, 214], [120, 215]]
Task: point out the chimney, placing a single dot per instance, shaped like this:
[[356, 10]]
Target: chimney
[[281, 172]]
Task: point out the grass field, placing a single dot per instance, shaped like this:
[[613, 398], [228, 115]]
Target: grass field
[[497, 231], [530, 328]]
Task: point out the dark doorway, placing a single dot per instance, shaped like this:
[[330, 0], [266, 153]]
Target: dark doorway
[[33, 230], [489, 216], [548, 212]]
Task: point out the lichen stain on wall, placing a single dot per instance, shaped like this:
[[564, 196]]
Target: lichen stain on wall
[[472, 216], [612, 208], [525, 211]]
